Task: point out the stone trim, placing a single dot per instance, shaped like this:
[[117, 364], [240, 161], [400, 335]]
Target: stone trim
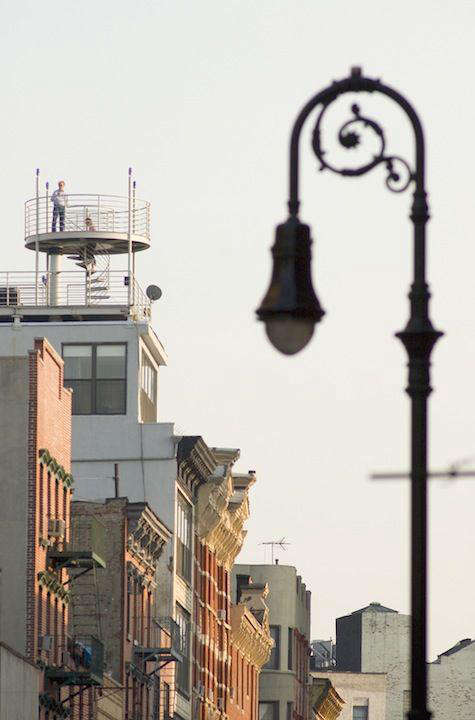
[[52, 583], [55, 468]]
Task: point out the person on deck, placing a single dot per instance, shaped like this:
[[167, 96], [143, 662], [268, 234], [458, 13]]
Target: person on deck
[[59, 200]]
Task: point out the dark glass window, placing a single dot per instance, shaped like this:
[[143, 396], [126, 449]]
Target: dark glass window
[[290, 650], [183, 667], [274, 660], [290, 710], [268, 711], [183, 539], [97, 375], [360, 712]]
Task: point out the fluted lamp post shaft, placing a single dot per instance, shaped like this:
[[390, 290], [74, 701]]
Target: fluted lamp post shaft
[[290, 310]]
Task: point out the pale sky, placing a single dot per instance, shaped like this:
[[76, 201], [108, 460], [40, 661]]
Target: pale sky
[[199, 98]]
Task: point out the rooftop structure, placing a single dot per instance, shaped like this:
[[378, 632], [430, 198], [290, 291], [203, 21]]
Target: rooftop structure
[[92, 229]]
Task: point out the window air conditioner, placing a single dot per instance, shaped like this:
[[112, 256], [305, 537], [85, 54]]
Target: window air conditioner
[[9, 295], [56, 528], [45, 642], [221, 614], [65, 658]]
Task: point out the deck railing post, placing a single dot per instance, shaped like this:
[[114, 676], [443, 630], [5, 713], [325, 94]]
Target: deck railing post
[[129, 241], [37, 249]]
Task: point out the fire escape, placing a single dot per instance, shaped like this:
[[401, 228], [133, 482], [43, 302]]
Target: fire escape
[[74, 660]]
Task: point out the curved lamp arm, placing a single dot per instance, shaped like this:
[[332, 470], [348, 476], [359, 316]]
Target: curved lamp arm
[[290, 310]]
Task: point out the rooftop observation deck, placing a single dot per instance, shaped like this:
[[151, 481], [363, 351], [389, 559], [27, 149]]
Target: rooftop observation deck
[[104, 219], [90, 230]]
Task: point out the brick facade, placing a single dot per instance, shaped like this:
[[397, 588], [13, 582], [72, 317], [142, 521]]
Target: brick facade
[[230, 642], [122, 605]]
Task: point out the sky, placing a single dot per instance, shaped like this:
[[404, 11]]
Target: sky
[[199, 98]]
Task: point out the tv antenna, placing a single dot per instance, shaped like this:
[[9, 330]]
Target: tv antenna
[[275, 543]]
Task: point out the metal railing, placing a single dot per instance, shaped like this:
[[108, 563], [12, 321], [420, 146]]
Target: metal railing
[[71, 288], [156, 633], [89, 213], [87, 532], [78, 657]]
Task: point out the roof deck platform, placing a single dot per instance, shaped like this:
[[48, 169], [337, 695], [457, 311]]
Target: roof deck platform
[[75, 241], [71, 296], [115, 223]]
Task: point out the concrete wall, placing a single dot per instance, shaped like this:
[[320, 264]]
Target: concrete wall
[[452, 685], [359, 689], [19, 686], [14, 389], [385, 648]]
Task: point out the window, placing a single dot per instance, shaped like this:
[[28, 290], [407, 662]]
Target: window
[[183, 539], [268, 711], [97, 375], [148, 378], [148, 389], [290, 649], [240, 581], [274, 660], [290, 710], [360, 712], [183, 667]]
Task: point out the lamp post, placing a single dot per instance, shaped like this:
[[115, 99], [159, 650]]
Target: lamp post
[[290, 310]]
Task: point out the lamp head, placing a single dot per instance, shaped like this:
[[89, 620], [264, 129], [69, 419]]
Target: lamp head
[[290, 308]]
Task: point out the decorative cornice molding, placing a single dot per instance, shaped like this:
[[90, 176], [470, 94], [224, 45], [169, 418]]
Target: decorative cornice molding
[[324, 700], [249, 636], [222, 508], [196, 461], [146, 534]]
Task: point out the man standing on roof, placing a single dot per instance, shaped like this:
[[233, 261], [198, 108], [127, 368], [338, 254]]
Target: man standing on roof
[[59, 200]]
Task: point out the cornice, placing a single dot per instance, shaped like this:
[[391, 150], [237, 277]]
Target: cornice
[[221, 512], [196, 461], [249, 636], [146, 534]]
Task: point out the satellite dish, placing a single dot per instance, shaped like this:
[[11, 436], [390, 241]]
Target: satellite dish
[[153, 292]]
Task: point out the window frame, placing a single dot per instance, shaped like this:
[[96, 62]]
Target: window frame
[[359, 707], [275, 708], [290, 649], [94, 379], [183, 550], [275, 652], [182, 677]]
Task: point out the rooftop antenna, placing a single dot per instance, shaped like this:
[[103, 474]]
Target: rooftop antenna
[[275, 543], [453, 471]]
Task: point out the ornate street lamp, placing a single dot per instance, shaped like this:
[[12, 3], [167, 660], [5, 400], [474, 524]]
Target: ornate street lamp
[[290, 310]]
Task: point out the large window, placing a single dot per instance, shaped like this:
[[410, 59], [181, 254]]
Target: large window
[[183, 667], [274, 660], [360, 712], [183, 539], [97, 375], [148, 389], [268, 711], [290, 649]]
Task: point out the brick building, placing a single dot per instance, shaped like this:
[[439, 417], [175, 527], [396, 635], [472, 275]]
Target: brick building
[[140, 647], [230, 642], [35, 549]]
